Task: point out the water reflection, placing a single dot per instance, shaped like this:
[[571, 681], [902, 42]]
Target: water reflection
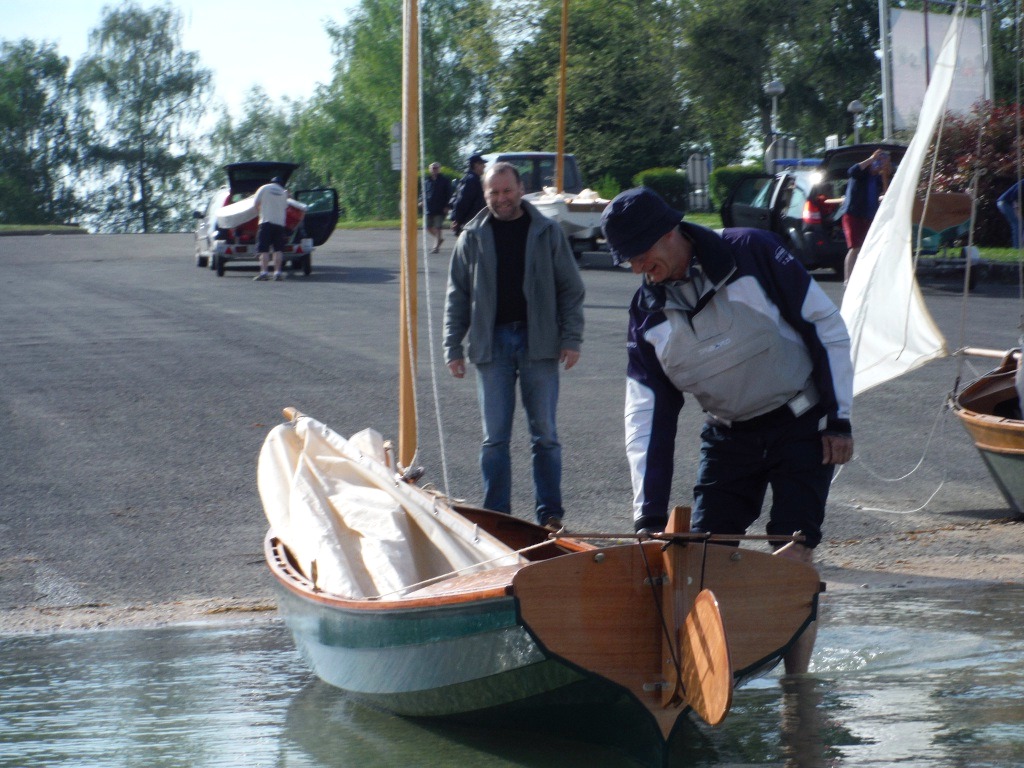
[[924, 679]]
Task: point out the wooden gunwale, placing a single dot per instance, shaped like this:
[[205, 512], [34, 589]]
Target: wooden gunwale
[[468, 588], [975, 407]]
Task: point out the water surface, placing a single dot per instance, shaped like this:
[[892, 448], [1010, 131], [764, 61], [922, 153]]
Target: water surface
[[925, 679]]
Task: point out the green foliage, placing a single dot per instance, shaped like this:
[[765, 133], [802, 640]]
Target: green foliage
[[670, 183], [828, 61], [1007, 54], [37, 149], [607, 186], [985, 142], [724, 179], [346, 131], [823, 53], [620, 115], [266, 131], [648, 82], [148, 93]]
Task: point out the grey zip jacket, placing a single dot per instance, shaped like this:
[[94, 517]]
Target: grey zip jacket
[[552, 285]]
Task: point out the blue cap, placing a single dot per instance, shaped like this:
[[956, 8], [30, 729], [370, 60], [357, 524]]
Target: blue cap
[[635, 220]]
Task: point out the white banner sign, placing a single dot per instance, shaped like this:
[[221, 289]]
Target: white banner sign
[[913, 58]]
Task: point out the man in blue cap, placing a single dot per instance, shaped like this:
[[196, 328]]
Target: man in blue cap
[[737, 322], [468, 200]]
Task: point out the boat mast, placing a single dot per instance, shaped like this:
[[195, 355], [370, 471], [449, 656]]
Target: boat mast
[[560, 138], [407, 313]]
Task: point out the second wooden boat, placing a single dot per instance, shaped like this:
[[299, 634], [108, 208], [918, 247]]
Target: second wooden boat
[[990, 410]]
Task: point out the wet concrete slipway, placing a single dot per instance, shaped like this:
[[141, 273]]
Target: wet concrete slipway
[[137, 624]]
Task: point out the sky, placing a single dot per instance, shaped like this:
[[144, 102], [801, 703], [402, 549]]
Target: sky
[[281, 46]]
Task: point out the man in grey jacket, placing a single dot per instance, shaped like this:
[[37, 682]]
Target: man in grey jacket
[[515, 290]]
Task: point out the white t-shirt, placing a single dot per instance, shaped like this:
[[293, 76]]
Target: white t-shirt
[[272, 203]]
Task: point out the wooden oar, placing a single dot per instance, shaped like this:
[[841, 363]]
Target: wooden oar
[[697, 644], [707, 669]]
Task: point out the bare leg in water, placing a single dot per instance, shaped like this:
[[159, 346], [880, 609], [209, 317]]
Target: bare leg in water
[[798, 659]]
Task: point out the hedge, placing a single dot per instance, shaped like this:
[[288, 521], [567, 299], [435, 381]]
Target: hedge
[[724, 180], [670, 183]]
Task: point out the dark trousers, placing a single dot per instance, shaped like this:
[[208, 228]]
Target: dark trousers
[[737, 466]]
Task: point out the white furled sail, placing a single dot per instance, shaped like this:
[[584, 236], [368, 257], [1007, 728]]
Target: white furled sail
[[891, 331]]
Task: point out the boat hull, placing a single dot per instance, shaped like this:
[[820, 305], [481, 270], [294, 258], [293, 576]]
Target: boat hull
[[585, 619], [473, 662], [579, 220], [983, 408]]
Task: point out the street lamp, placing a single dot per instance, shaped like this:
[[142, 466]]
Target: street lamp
[[775, 89], [855, 108]]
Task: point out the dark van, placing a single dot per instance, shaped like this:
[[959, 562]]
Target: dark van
[[537, 169]]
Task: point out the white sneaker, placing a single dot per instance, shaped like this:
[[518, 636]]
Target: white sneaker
[[279, 275], [262, 276]]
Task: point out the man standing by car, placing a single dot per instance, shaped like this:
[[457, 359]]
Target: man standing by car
[[272, 207], [437, 191], [515, 289], [737, 322], [868, 180], [469, 199]]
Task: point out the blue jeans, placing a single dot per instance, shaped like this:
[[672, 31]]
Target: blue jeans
[[496, 390], [1009, 211]]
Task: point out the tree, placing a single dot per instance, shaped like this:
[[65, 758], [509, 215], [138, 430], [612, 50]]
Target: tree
[[830, 62], [823, 53], [986, 141], [624, 106], [147, 94], [36, 145], [1007, 48], [266, 131], [346, 130]]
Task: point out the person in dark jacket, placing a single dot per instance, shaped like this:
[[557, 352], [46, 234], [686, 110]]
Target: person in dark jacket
[[868, 180], [734, 320], [1009, 205], [437, 190], [469, 199]]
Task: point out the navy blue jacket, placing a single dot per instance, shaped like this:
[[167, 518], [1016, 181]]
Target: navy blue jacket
[[763, 316], [438, 193], [470, 199]]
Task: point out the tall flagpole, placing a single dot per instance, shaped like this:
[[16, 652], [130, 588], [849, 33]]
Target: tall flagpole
[[407, 315], [560, 137]]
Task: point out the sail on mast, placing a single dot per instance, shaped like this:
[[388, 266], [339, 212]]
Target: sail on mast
[[891, 331]]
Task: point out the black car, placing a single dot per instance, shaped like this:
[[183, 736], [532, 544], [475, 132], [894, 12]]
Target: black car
[[799, 203]]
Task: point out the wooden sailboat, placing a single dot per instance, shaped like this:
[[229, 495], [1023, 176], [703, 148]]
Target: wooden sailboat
[[427, 608], [990, 410]]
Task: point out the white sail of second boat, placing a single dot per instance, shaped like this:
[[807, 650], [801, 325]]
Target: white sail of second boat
[[891, 331]]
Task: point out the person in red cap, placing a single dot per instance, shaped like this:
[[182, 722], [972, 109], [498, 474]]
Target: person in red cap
[[735, 321]]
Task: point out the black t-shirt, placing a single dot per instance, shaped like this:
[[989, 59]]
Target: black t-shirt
[[510, 246]]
